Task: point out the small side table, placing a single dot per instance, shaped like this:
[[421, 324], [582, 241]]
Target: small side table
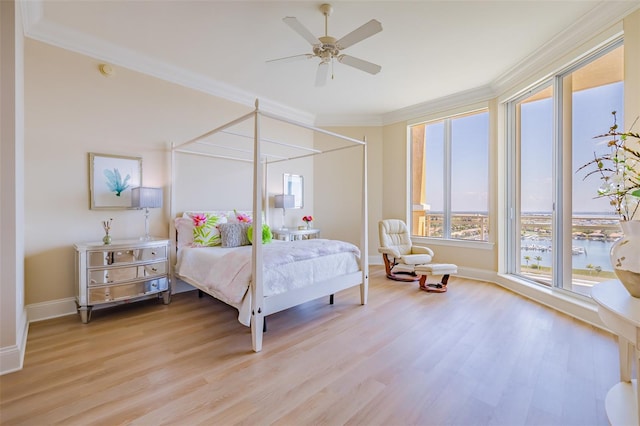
[[621, 313], [295, 234]]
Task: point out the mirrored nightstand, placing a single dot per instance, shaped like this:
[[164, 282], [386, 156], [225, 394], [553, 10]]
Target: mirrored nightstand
[[118, 272]]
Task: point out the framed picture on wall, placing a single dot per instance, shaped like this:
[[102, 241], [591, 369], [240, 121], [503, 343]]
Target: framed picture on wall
[[111, 178]]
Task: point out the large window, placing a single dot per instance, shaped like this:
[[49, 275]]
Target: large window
[[449, 180], [560, 232]]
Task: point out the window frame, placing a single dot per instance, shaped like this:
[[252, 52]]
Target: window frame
[[562, 211], [447, 118]]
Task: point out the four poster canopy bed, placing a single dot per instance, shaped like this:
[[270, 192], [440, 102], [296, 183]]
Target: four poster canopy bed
[[213, 253]]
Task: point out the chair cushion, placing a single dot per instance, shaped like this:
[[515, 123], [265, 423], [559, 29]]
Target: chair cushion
[[394, 233], [437, 269], [415, 259]]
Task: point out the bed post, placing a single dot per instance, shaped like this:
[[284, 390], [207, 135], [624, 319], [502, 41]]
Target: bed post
[[364, 239], [173, 243], [257, 292]]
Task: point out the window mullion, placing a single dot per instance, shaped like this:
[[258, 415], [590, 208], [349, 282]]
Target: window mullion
[[447, 179], [512, 239], [557, 214]]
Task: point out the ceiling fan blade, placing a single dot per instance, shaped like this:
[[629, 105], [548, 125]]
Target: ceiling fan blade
[[360, 64], [322, 73], [367, 30], [296, 26], [293, 58]]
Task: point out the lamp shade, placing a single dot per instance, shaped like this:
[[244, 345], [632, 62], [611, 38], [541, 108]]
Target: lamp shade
[[284, 201], [145, 197]]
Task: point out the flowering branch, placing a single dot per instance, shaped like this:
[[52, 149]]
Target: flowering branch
[[618, 172]]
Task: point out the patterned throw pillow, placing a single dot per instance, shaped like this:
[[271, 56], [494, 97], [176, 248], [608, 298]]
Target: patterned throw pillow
[[234, 234], [205, 229]]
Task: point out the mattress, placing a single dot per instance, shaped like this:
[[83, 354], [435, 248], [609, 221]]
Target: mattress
[[225, 273]]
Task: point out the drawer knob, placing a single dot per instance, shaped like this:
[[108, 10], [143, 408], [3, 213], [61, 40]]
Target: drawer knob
[[153, 253], [154, 269]]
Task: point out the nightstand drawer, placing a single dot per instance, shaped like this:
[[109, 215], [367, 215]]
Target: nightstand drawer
[[120, 257], [125, 273], [114, 293]]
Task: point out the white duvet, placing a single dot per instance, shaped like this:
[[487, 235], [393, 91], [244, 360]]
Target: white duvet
[[225, 273]]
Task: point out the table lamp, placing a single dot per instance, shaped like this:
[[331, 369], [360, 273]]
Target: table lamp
[[146, 198]]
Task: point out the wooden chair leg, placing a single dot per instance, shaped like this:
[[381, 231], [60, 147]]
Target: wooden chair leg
[[387, 264]]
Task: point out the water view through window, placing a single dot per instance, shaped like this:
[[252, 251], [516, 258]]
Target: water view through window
[[559, 232], [555, 128]]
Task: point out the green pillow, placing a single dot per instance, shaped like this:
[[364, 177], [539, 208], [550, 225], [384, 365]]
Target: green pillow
[[267, 236]]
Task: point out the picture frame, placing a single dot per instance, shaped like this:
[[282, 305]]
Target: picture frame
[[111, 178]]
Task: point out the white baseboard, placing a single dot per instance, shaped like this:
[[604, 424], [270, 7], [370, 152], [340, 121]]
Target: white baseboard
[[584, 310], [52, 309], [61, 307], [12, 357]]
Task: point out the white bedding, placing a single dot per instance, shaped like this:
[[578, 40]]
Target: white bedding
[[225, 273]]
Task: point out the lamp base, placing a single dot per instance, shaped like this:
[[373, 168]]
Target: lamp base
[[146, 236]]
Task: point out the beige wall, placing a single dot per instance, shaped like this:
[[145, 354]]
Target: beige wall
[[72, 109], [338, 183], [632, 72]]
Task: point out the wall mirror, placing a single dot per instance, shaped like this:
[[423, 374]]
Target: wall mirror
[[294, 185]]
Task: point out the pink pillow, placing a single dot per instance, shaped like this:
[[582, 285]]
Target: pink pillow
[[184, 228]]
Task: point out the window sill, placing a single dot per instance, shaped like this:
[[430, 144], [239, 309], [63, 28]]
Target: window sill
[[482, 245]]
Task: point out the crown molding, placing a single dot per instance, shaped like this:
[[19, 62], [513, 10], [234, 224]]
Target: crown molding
[[48, 32], [466, 97], [350, 120], [603, 16]]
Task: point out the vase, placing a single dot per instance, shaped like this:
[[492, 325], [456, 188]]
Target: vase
[[106, 239], [625, 257], [308, 225]]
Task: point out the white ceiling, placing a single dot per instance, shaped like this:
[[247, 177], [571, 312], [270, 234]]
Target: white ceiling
[[427, 49]]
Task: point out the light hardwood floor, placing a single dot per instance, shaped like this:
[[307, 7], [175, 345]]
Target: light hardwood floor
[[476, 355]]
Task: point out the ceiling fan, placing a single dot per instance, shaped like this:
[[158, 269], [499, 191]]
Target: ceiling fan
[[329, 48]]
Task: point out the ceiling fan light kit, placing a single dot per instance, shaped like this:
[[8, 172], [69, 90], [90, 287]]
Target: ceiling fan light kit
[[328, 48]]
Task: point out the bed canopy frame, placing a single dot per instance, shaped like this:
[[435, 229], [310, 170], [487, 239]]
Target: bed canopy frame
[[261, 158]]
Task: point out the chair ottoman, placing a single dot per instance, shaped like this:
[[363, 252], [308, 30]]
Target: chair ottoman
[[444, 269]]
